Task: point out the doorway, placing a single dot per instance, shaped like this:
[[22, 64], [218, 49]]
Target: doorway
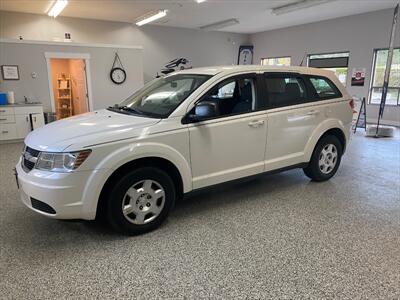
[[69, 85]]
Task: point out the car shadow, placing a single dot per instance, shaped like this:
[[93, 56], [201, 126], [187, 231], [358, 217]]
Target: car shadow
[[239, 191]]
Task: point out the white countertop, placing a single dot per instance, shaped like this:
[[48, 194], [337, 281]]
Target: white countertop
[[19, 104]]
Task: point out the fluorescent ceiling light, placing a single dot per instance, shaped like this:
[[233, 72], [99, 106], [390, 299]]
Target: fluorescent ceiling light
[[284, 9], [200, 1], [57, 8], [152, 17], [219, 25]]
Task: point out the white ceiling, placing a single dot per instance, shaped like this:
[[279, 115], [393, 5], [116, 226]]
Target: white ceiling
[[253, 15]]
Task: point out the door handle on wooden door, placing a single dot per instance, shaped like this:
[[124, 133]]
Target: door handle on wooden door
[[256, 123]]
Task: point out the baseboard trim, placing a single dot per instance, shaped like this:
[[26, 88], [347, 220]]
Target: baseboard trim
[[383, 122]]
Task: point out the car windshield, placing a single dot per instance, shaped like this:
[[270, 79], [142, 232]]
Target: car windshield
[[162, 96]]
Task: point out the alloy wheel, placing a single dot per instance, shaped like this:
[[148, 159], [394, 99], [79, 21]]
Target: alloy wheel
[[328, 158], [143, 202]]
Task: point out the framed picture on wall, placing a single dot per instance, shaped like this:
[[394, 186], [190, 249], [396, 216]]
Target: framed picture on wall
[[245, 56], [10, 72]]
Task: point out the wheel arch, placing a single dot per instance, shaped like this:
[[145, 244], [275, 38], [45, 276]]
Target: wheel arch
[[329, 128], [337, 132], [153, 161]]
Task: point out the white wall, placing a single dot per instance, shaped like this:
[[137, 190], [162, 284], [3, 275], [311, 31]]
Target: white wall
[[31, 58], [359, 34], [160, 44]]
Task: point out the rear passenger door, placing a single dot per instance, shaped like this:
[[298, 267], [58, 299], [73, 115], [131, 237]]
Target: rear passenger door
[[292, 117]]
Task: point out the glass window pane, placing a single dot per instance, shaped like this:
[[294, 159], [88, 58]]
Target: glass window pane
[[285, 91], [329, 55], [276, 61], [380, 68], [163, 95], [391, 98], [376, 95], [330, 62], [226, 91], [324, 88], [235, 96], [341, 74]]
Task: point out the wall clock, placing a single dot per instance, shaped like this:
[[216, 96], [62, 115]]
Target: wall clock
[[117, 73]]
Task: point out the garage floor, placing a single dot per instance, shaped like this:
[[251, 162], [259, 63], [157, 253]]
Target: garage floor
[[278, 236]]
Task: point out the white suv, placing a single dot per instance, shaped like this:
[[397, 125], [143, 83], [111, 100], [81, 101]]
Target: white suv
[[188, 130]]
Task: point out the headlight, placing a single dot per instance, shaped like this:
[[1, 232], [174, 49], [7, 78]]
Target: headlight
[[61, 162]]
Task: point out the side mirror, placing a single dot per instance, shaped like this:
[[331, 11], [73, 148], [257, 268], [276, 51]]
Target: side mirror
[[203, 111], [206, 110]]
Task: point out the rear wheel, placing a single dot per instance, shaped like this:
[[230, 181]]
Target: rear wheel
[[140, 201], [325, 159]]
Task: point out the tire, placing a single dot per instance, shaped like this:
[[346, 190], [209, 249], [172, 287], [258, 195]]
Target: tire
[[140, 201], [324, 164]]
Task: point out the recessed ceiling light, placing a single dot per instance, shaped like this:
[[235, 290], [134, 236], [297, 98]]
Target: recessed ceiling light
[[200, 1], [152, 17], [57, 8]]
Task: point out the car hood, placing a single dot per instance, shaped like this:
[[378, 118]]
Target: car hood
[[87, 129]]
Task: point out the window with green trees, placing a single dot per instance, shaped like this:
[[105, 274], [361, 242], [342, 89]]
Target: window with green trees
[[378, 74]]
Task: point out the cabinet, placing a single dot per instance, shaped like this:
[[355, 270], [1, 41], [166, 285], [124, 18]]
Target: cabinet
[[23, 126], [37, 121], [16, 121]]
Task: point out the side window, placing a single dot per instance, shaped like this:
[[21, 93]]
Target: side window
[[233, 96], [226, 91], [324, 88], [285, 90]]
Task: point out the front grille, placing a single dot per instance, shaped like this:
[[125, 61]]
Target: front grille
[[33, 152], [39, 205], [27, 163]]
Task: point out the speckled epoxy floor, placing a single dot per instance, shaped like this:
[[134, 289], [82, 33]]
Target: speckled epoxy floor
[[278, 236]]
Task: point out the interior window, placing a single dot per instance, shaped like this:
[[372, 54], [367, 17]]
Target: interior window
[[324, 88], [336, 62], [285, 90], [276, 61], [234, 96]]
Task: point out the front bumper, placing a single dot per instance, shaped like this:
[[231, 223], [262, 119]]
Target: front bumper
[[63, 192]]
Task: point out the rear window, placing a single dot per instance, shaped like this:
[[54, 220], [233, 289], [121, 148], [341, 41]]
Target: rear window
[[325, 88]]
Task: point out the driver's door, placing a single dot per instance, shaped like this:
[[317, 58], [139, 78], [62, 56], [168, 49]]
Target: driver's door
[[231, 145]]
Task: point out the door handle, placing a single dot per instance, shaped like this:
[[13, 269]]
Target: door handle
[[312, 113], [256, 123]]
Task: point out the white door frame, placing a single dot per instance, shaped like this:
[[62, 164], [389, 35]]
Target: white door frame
[[69, 55]]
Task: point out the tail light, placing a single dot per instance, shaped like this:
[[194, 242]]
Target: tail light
[[352, 105]]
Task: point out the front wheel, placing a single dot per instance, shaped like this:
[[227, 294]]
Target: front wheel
[[140, 201], [325, 159]]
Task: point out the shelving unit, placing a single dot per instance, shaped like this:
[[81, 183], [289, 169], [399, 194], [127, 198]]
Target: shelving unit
[[64, 97]]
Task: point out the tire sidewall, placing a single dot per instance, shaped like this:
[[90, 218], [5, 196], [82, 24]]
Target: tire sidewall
[[117, 194]]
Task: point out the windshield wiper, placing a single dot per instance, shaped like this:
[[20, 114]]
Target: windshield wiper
[[134, 110], [126, 108]]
